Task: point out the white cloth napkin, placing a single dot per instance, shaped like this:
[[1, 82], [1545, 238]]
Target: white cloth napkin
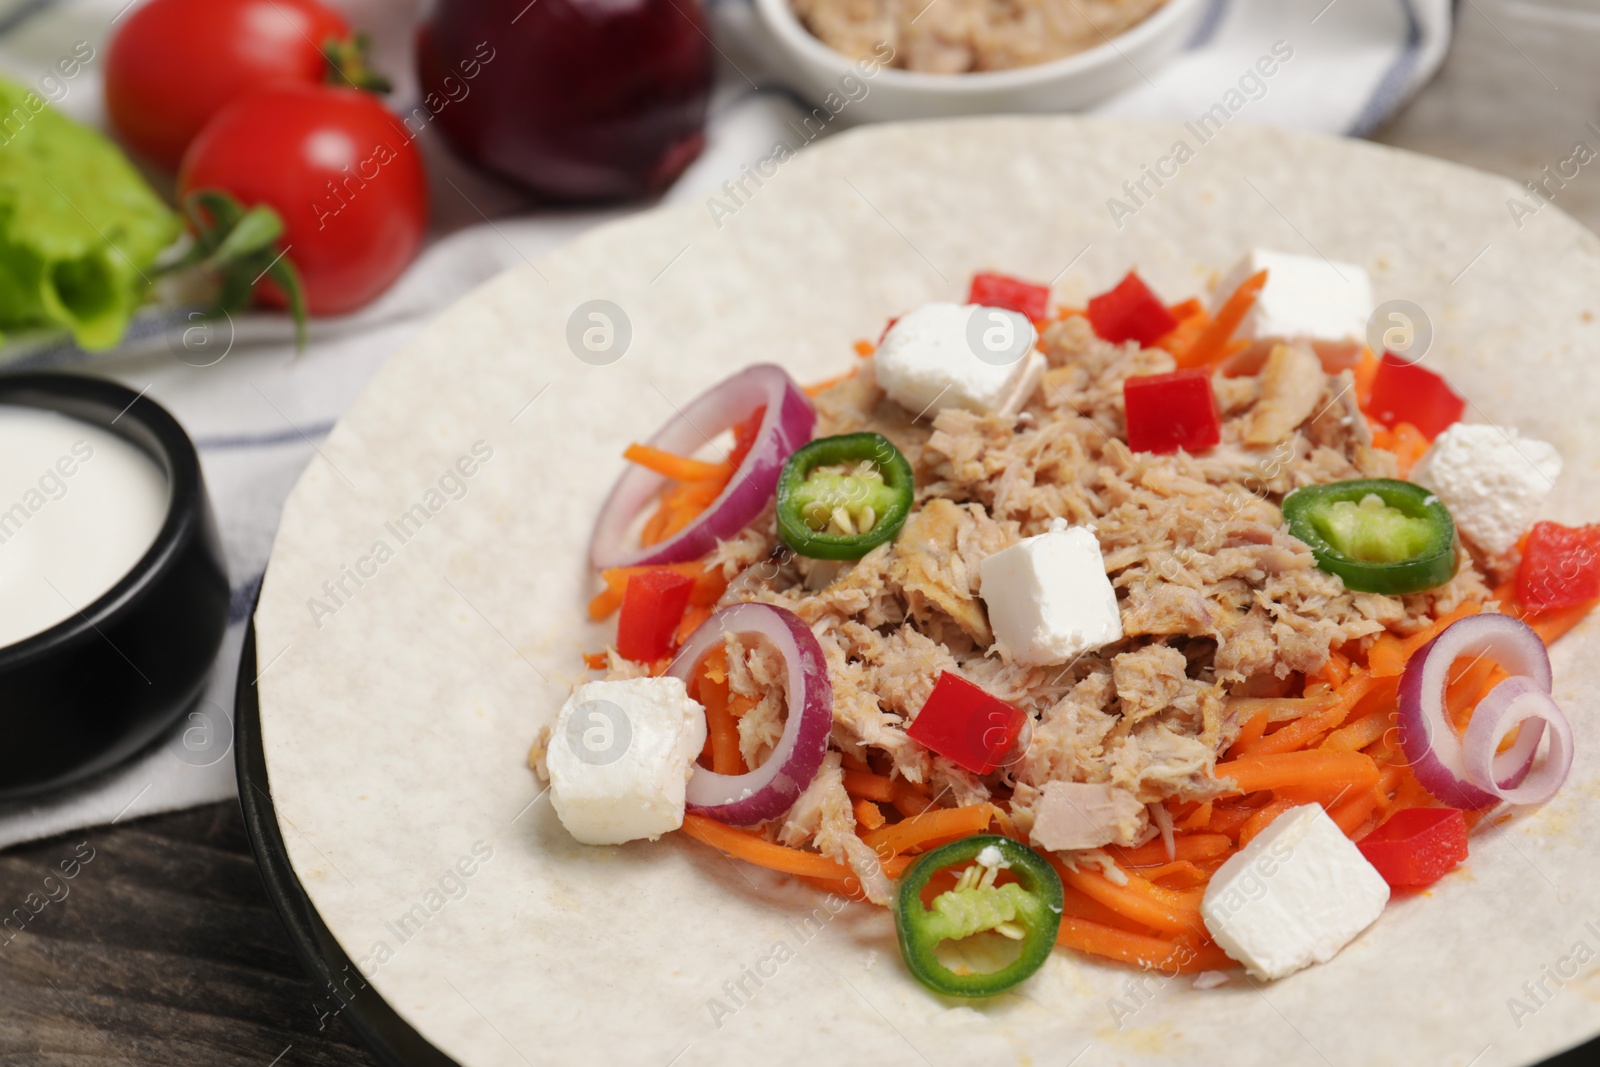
[[260, 413]]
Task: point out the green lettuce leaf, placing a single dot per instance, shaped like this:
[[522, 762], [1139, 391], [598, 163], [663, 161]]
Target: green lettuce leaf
[[79, 227]]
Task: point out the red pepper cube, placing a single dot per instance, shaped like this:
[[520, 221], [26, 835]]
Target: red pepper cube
[[1409, 392], [1416, 846], [1560, 567], [999, 291], [652, 606], [1131, 312], [1166, 412], [964, 724]]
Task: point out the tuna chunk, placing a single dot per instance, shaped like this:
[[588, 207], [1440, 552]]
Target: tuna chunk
[[1074, 815]]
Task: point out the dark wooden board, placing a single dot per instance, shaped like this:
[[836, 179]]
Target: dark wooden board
[[161, 949]]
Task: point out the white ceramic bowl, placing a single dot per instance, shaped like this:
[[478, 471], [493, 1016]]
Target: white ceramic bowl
[[1065, 84]]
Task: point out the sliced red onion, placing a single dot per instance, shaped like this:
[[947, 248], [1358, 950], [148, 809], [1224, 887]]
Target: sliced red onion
[[772, 788], [1434, 750], [788, 424], [1517, 701]]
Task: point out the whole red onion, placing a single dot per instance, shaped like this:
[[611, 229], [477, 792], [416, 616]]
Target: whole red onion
[[575, 99]]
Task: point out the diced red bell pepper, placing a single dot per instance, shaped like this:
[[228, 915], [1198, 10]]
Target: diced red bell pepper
[[1416, 846], [999, 291], [1410, 392], [966, 725], [1560, 567], [1167, 412], [1131, 312], [744, 435], [652, 606]]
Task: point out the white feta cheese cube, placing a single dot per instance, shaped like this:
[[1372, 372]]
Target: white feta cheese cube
[[959, 355], [1306, 298], [1295, 895], [619, 756], [1492, 479], [1049, 598]]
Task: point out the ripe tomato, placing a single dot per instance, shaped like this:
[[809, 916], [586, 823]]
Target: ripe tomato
[[175, 63], [340, 170]]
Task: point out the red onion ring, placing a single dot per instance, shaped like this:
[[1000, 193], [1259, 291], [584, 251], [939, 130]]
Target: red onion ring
[[1432, 747], [772, 788], [788, 424], [1517, 701]]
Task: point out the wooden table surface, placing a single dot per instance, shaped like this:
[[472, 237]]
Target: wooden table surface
[[162, 949]]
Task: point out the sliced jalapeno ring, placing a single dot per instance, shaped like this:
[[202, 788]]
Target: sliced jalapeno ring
[[1378, 534], [1027, 910], [841, 497]]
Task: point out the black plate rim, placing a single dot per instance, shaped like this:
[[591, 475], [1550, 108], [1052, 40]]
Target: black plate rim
[[390, 1038]]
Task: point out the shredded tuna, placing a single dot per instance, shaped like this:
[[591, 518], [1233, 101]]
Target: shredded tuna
[[1217, 600]]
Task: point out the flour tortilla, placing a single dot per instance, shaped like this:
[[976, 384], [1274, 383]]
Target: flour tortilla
[[397, 711]]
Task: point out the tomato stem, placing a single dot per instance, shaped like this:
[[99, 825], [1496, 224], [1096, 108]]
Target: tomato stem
[[239, 247], [349, 63]]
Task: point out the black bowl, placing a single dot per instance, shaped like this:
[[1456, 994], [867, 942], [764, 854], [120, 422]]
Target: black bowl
[[89, 692]]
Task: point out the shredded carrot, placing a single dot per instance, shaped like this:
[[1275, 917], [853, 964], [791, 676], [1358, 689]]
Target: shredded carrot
[[929, 828], [678, 468], [869, 786], [1178, 956], [852, 761], [865, 348], [1141, 901], [1212, 343], [1302, 731], [1318, 697], [1262, 819], [1351, 813], [1250, 732], [1179, 874], [1228, 818], [910, 799], [1075, 904], [722, 733], [1408, 445], [1386, 658], [693, 618], [1192, 320], [1550, 625], [1466, 685], [895, 866], [1200, 817], [680, 505], [1185, 847], [1308, 768], [1004, 823], [1365, 370], [818, 388], [743, 845], [868, 814], [596, 661], [1336, 670], [1361, 733]]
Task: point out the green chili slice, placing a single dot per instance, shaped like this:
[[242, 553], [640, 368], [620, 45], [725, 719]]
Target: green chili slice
[[1378, 534], [1027, 910], [841, 497]]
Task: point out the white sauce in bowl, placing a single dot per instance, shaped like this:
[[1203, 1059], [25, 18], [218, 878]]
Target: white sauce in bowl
[[79, 507]]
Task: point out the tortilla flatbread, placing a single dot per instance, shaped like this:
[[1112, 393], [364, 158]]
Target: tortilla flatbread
[[423, 614]]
